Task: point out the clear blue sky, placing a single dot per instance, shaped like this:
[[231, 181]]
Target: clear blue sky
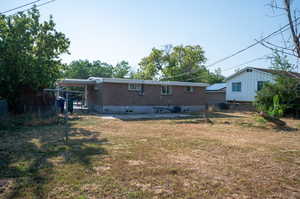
[[115, 30]]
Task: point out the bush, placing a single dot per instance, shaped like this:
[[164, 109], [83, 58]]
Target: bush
[[278, 98]]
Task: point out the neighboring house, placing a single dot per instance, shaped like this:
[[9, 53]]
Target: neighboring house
[[243, 85], [216, 93], [116, 95]]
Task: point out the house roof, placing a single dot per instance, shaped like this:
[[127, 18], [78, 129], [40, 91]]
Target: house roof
[[279, 72], [216, 87], [98, 80], [270, 71]]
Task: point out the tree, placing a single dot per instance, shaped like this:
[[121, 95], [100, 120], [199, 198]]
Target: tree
[[290, 44], [121, 70], [293, 26], [185, 63], [216, 77], [179, 63], [101, 69], [151, 66], [83, 69], [279, 97], [79, 69], [29, 54]]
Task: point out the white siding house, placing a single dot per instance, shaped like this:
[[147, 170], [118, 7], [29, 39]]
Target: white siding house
[[243, 85]]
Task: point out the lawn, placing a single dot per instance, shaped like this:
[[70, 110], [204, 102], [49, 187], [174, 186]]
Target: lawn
[[238, 155]]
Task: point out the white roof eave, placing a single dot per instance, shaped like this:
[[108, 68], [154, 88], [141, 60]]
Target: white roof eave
[[152, 82], [77, 81], [98, 80]]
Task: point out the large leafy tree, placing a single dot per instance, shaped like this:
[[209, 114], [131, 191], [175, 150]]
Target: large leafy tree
[[178, 63], [79, 69], [121, 70], [29, 53], [83, 69]]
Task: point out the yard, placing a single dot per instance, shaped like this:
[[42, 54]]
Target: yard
[[238, 155]]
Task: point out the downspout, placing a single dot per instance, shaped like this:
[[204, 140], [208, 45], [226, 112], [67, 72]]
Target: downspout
[[85, 96]]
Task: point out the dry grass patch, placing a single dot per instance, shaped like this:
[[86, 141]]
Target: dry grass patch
[[236, 156]]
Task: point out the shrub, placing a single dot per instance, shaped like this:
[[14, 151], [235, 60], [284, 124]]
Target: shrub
[[281, 96]]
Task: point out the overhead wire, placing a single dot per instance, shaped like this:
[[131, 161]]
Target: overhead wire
[[37, 6], [22, 6], [274, 33]]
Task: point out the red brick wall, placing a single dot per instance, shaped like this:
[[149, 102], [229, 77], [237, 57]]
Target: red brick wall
[[94, 96], [118, 95]]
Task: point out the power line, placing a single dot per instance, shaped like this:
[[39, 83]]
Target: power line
[[248, 62], [39, 5], [242, 64], [251, 45], [24, 5], [282, 29]]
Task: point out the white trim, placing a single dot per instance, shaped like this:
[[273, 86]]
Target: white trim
[[77, 81], [151, 82]]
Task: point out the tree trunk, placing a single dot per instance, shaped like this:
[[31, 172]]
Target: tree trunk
[[274, 120], [296, 40]]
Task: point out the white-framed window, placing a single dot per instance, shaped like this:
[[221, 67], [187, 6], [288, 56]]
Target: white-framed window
[[236, 86], [166, 90], [134, 87], [189, 89]]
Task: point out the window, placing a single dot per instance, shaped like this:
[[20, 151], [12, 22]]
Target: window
[[166, 90], [134, 87], [236, 87], [260, 85], [189, 89]]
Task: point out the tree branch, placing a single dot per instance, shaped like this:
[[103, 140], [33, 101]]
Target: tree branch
[[276, 49], [277, 46]]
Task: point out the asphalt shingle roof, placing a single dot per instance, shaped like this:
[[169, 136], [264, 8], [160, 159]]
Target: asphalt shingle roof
[[280, 72]]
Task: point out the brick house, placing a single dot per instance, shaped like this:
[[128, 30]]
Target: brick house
[[116, 95]]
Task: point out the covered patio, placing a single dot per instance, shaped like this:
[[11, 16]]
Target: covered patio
[[80, 83]]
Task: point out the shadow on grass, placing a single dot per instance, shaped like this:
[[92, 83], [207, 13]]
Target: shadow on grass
[[26, 153]]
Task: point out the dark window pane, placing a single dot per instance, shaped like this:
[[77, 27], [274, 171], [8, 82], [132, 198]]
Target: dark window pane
[[260, 85], [236, 86]]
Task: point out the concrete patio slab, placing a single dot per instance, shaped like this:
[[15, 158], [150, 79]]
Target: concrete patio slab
[[144, 116]]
